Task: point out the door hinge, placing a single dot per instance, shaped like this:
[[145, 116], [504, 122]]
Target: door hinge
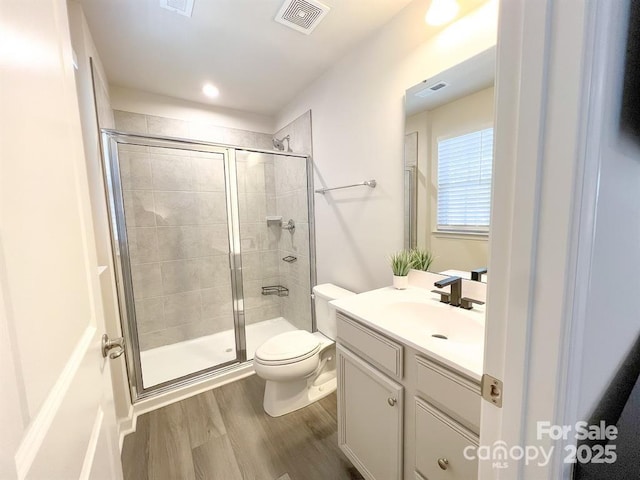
[[492, 389]]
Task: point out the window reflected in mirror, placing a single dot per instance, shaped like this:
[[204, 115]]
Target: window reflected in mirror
[[464, 165], [448, 162]]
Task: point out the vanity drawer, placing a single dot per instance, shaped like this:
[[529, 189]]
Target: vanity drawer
[[378, 350], [458, 396], [441, 442]]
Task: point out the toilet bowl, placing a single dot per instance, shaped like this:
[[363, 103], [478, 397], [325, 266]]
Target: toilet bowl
[[299, 367]]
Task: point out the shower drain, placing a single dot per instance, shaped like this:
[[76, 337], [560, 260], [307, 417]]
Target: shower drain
[[437, 335]]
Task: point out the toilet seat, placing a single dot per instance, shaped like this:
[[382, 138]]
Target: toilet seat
[[287, 348]]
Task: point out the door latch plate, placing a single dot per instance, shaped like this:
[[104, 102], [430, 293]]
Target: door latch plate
[[491, 389]]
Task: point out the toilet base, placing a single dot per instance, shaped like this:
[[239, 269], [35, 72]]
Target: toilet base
[[281, 398]]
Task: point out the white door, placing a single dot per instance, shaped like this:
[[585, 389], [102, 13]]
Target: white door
[[57, 415], [558, 79]]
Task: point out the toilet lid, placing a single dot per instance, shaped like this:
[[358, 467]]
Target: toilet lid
[[290, 346]]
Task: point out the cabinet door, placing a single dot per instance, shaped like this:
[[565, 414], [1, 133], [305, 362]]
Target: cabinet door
[[369, 418]]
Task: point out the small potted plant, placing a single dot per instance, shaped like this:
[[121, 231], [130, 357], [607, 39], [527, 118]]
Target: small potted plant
[[400, 265], [421, 259]]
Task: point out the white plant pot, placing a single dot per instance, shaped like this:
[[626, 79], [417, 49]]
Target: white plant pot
[[400, 283]]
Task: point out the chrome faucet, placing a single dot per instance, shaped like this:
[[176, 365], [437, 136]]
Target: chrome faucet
[[452, 298]]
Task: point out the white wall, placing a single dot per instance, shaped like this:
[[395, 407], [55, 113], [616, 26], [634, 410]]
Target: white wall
[[84, 48], [461, 116], [358, 134], [138, 101]]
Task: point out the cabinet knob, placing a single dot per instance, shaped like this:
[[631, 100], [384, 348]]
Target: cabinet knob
[[391, 401], [443, 463]]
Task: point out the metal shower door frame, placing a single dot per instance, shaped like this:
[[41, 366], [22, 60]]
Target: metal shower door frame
[[235, 254], [122, 263], [120, 245]]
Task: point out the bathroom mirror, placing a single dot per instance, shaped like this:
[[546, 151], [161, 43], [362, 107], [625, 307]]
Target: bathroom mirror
[[448, 158]]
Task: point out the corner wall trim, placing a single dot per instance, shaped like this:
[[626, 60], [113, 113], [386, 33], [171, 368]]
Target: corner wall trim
[[126, 426]]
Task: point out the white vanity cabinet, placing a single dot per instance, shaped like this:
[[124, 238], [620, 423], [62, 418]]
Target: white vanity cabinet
[[401, 414], [370, 408], [370, 401]]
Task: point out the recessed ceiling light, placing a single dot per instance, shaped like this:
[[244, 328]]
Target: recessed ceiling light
[[441, 12], [210, 91]]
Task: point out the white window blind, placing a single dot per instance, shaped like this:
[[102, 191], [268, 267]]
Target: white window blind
[[464, 182]]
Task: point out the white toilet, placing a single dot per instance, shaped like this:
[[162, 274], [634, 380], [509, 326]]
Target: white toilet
[[299, 366]]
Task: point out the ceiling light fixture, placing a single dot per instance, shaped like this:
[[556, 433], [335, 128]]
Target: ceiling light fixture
[[441, 12], [210, 91]]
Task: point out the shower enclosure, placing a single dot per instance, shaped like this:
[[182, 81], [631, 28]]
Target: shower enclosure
[[214, 253]]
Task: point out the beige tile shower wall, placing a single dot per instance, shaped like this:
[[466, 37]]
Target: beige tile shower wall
[[259, 241], [206, 305], [195, 130], [291, 202], [299, 131], [175, 211], [262, 192]]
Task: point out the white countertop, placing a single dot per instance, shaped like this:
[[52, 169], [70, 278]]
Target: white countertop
[[413, 315]]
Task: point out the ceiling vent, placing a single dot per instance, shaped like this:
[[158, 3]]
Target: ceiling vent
[[182, 7], [302, 15], [425, 92]]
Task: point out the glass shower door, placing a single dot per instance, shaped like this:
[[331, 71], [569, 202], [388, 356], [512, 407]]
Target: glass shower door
[[274, 243], [213, 254], [174, 241]]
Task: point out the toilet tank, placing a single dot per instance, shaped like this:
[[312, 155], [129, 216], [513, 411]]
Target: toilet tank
[[325, 313]]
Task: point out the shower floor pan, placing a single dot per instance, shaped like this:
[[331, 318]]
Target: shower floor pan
[[179, 359]]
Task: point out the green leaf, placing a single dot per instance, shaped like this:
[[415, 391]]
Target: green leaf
[[400, 263], [420, 259]]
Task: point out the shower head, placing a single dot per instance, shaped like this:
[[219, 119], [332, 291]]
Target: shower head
[[278, 144]]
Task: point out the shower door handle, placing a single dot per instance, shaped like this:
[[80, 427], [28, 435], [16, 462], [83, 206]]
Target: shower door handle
[[108, 345]]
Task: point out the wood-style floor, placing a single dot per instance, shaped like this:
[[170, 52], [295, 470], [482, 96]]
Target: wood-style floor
[[224, 434]]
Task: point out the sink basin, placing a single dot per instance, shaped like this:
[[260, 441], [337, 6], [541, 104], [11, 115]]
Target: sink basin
[[436, 320]]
